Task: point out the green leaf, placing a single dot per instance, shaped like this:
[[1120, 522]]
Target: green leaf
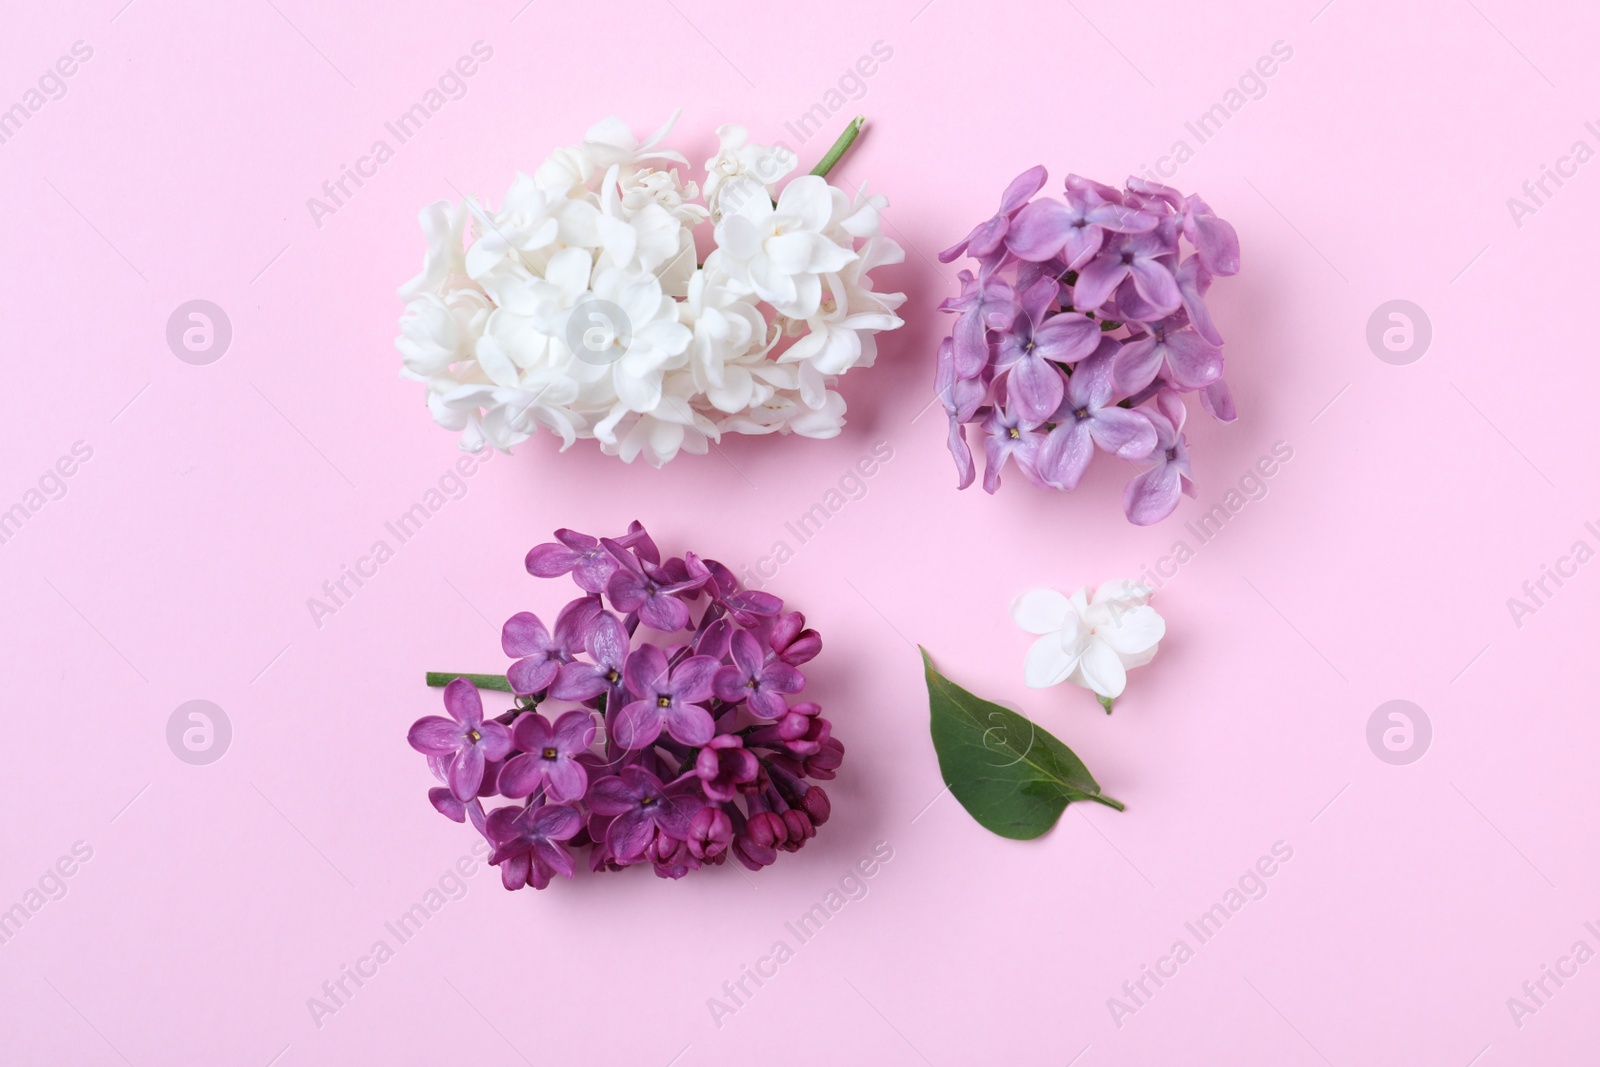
[[1013, 777]]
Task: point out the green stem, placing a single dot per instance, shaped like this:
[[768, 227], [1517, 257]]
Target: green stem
[[482, 681], [840, 147], [1110, 803], [1105, 702]]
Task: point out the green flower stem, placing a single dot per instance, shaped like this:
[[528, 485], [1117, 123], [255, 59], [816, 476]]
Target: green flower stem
[[1105, 702], [482, 681], [840, 147], [1109, 802]]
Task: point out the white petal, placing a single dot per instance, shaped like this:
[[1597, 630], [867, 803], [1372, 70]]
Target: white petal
[[1134, 632], [1048, 663], [1101, 669], [1042, 611]]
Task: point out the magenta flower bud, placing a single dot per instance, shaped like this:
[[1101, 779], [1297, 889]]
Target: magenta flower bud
[[766, 830], [710, 833], [752, 855], [816, 804], [800, 829], [793, 727]]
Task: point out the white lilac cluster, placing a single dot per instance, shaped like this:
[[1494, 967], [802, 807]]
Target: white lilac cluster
[[581, 304]]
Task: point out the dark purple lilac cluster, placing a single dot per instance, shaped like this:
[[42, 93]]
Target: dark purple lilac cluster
[[1083, 328], [703, 753]]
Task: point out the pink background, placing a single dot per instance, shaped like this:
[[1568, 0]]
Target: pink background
[[218, 498]]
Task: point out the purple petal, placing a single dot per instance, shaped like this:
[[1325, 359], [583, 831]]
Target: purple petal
[[665, 613], [692, 679], [1127, 433], [1098, 280], [1218, 245], [1022, 187], [608, 640], [531, 674], [1194, 361], [625, 590], [554, 857], [747, 653], [550, 560], [531, 732], [689, 724], [579, 681], [461, 700], [1156, 284], [558, 822], [765, 705], [521, 775], [639, 724], [1065, 454], [565, 779], [447, 805], [496, 740], [677, 811], [1067, 337], [630, 833], [962, 452], [574, 732], [1137, 364], [646, 671], [1082, 245], [611, 796], [1040, 230], [514, 871], [1152, 495], [524, 635], [1036, 387], [782, 678], [1218, 401], [729, 683], [435, 735], [466, 773]]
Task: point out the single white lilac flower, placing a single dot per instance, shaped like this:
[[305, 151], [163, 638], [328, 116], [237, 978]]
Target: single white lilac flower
[[1091, 642]]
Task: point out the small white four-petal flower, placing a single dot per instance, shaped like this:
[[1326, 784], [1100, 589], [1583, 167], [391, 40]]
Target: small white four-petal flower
[[1091, 642]]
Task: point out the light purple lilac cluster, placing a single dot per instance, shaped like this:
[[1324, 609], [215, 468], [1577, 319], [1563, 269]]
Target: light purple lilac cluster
[[1085, 324], [703, 753]]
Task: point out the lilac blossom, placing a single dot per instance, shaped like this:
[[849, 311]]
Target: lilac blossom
[[670, 699], [1153, 493], [464, 737], [1087, 419], [704, 759], [751, 677], [539, 653], [640, 808], [527, 843], [548, 756], [1082, 311], [651, 589]]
